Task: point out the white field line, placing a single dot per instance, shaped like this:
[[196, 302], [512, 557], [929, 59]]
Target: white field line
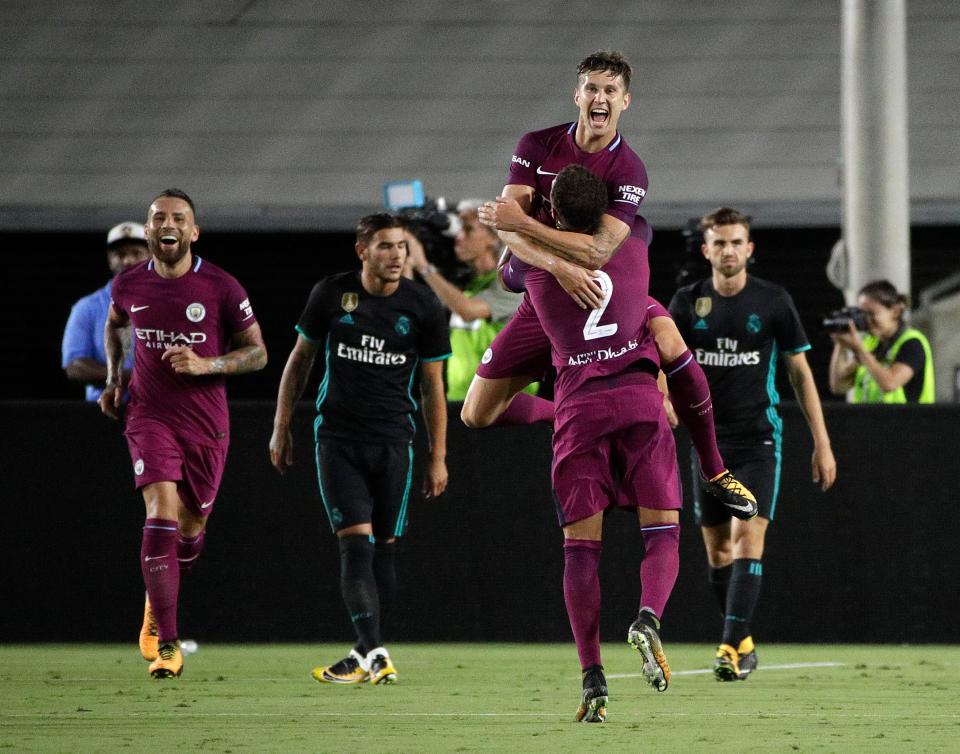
[[298, 679], [704, 671]]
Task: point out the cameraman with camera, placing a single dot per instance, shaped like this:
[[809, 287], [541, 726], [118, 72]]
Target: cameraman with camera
[[478, 312], [891, 363]]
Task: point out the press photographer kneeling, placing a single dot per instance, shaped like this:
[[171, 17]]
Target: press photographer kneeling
[[891, 362]]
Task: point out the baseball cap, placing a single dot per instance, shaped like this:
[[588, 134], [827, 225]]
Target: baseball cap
[[124, 232]]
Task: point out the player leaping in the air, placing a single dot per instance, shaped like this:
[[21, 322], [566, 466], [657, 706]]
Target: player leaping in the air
[[521, 351]]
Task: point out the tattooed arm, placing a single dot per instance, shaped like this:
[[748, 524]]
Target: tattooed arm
[[249, 354], [294, 380]]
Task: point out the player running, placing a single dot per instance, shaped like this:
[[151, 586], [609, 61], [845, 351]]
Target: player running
[[193, 325]]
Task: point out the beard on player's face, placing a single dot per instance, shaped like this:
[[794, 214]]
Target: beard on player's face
[[163, 246]]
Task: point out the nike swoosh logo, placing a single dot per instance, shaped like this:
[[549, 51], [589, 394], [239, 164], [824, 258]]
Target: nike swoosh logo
[[147, 559], [746, 507], [139, 308], [206, 505], [541, 171]]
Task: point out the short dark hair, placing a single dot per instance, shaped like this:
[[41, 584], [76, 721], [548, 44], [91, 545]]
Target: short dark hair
[[608, 61], [725, 216], [370, 224], [579, 197], [175, 193], [886, 294]]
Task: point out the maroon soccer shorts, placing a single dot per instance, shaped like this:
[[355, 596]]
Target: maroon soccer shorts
[[520, 348], [613, 446], [158, 455]]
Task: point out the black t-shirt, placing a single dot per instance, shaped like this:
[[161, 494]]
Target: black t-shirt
[[912, 354], [371, 348], [737, 339]]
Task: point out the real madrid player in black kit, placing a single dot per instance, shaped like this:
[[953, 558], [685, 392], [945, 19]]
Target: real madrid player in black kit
[[737, 326], [373, 329]]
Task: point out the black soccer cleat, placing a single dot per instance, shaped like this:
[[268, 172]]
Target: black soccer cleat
[[593, 702], [735, 497], [644, 636]]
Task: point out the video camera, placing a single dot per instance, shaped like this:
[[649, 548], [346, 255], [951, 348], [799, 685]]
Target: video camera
[[430, 220], [839, 320]]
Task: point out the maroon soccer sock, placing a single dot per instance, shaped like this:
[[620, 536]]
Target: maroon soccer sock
[[661, 563], [690, 394], [525, 409], [581, 593], [161, 574], [188, 550]]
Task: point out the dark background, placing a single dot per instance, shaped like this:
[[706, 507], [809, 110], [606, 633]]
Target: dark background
[[873, 559], [45, 273]]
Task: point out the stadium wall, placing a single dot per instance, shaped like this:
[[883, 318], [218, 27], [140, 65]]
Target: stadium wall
[[874, 559]]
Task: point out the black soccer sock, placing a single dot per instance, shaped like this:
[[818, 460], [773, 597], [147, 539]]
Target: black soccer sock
[[359, 589], [742, 596], [719, 579], [385, 572]]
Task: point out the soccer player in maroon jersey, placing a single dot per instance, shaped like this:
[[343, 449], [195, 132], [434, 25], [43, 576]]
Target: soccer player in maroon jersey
[[516, 356], [193, 325], [612, 443]]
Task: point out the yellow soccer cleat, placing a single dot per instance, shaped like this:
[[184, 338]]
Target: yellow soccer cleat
[[644, 636], [593, 702], [726, 666], [148, 633], [382, 671], [746, 658], [169, 662], [346, 672]]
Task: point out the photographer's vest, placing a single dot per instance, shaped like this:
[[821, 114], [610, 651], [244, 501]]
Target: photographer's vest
[[469, 341], [866, 389]]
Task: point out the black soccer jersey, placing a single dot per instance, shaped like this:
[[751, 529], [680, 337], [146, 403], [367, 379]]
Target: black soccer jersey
[[737, 340], [372, 346]]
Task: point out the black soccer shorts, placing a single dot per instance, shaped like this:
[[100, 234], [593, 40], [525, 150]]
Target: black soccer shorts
[[758, 468]]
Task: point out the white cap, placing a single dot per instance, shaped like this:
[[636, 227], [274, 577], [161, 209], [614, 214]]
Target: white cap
[[128, 231]]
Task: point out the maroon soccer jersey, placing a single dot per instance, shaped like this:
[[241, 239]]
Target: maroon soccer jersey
[[202, 309], [540, 155], [597, 342]]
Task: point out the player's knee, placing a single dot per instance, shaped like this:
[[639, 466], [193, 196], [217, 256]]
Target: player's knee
[[474, 418]]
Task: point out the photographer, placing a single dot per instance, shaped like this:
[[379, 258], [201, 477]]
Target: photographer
[[891, 363], [480, 311]]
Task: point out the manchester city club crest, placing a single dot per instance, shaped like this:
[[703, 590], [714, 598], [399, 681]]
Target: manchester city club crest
[[703, 306], [753, 324], [196, 312], [403, 325], [349, 301]]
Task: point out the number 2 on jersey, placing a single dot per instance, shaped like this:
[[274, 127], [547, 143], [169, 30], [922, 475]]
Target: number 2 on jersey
[[593, 330]]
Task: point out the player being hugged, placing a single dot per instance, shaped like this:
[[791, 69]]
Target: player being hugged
[[193, 325]]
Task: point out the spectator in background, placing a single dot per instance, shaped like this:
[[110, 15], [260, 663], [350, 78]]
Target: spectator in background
[[84, 358], [891, 363], [478, 312]]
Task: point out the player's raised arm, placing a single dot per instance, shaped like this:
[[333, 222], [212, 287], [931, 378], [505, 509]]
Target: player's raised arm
[[435, 416], [292, 384]]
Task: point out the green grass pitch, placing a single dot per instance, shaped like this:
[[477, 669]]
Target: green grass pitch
[[513, 698]]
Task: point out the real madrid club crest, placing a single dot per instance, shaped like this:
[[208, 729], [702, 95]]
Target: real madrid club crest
[[402, 325], [349, 301], [703, 306], [196, 312], [753, 324]]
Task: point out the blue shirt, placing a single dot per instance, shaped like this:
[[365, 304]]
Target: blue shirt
[[83, 335]]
